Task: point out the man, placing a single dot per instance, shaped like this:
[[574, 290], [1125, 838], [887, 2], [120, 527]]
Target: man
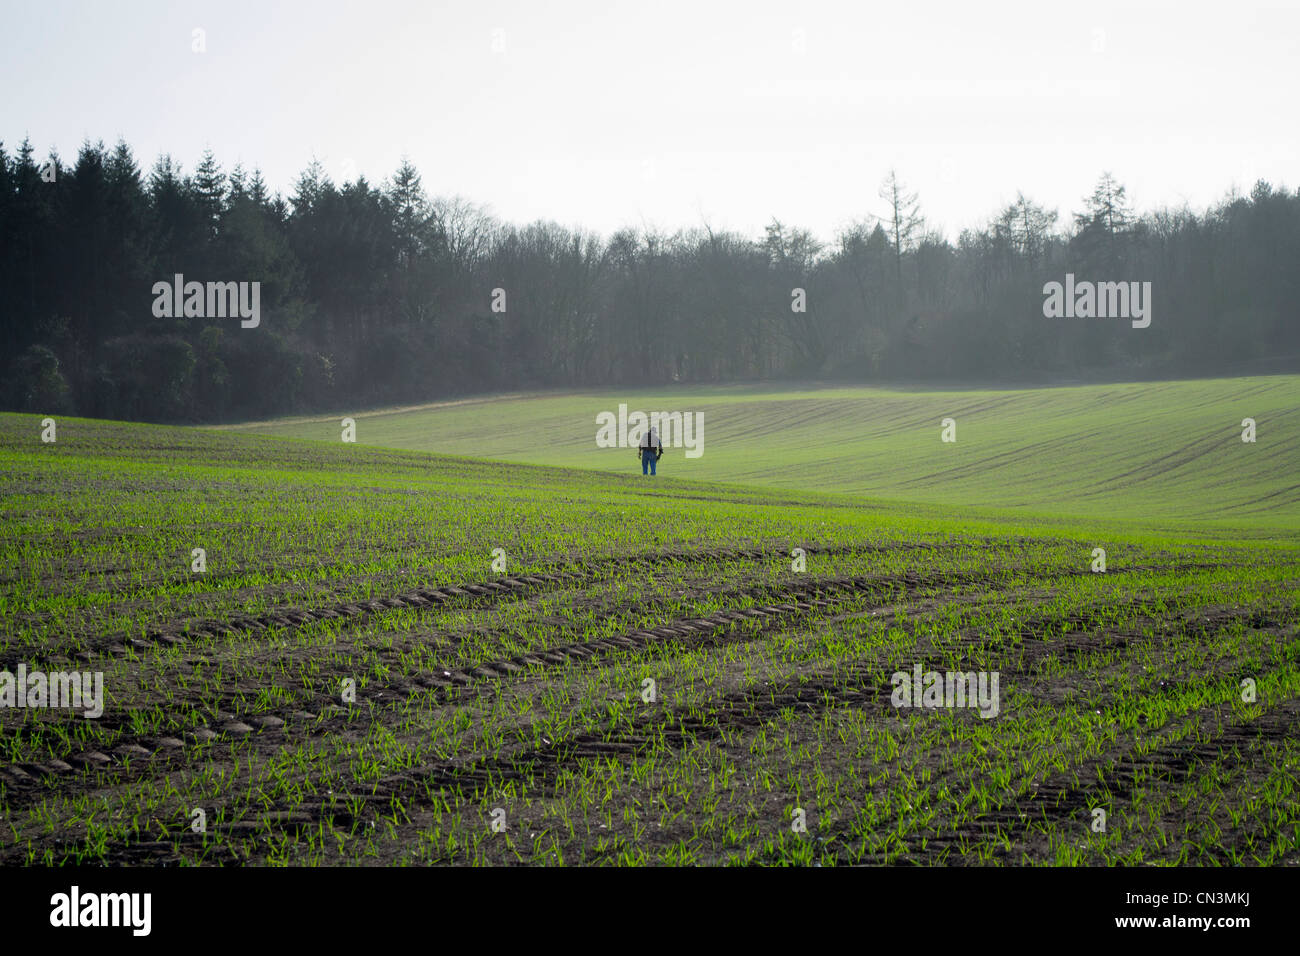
[[652, 449]]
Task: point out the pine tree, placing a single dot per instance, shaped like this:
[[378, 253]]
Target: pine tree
[[210, 192], [257, 188], [238, 185], [411, 213]]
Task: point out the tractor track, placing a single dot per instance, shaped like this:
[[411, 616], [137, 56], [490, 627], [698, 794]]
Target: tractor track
[[858, 683], [1060, 797], [132, 754], [490, 591], [1060, 800], [477, 593], [131, 750]]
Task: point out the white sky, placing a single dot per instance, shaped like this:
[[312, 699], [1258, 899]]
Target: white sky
[[603, 113]]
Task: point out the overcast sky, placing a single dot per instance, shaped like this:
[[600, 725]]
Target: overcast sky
[[607, 113]]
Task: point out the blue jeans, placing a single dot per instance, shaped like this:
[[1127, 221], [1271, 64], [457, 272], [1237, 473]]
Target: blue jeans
[[648, 461]]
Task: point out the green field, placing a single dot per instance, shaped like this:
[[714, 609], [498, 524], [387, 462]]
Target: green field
[[674, 671], [1170, 451]]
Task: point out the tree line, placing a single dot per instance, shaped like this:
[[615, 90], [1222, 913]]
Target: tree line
[[374, 294]]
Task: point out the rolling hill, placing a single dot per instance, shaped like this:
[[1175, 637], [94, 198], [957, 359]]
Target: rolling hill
[[1170, 452]]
